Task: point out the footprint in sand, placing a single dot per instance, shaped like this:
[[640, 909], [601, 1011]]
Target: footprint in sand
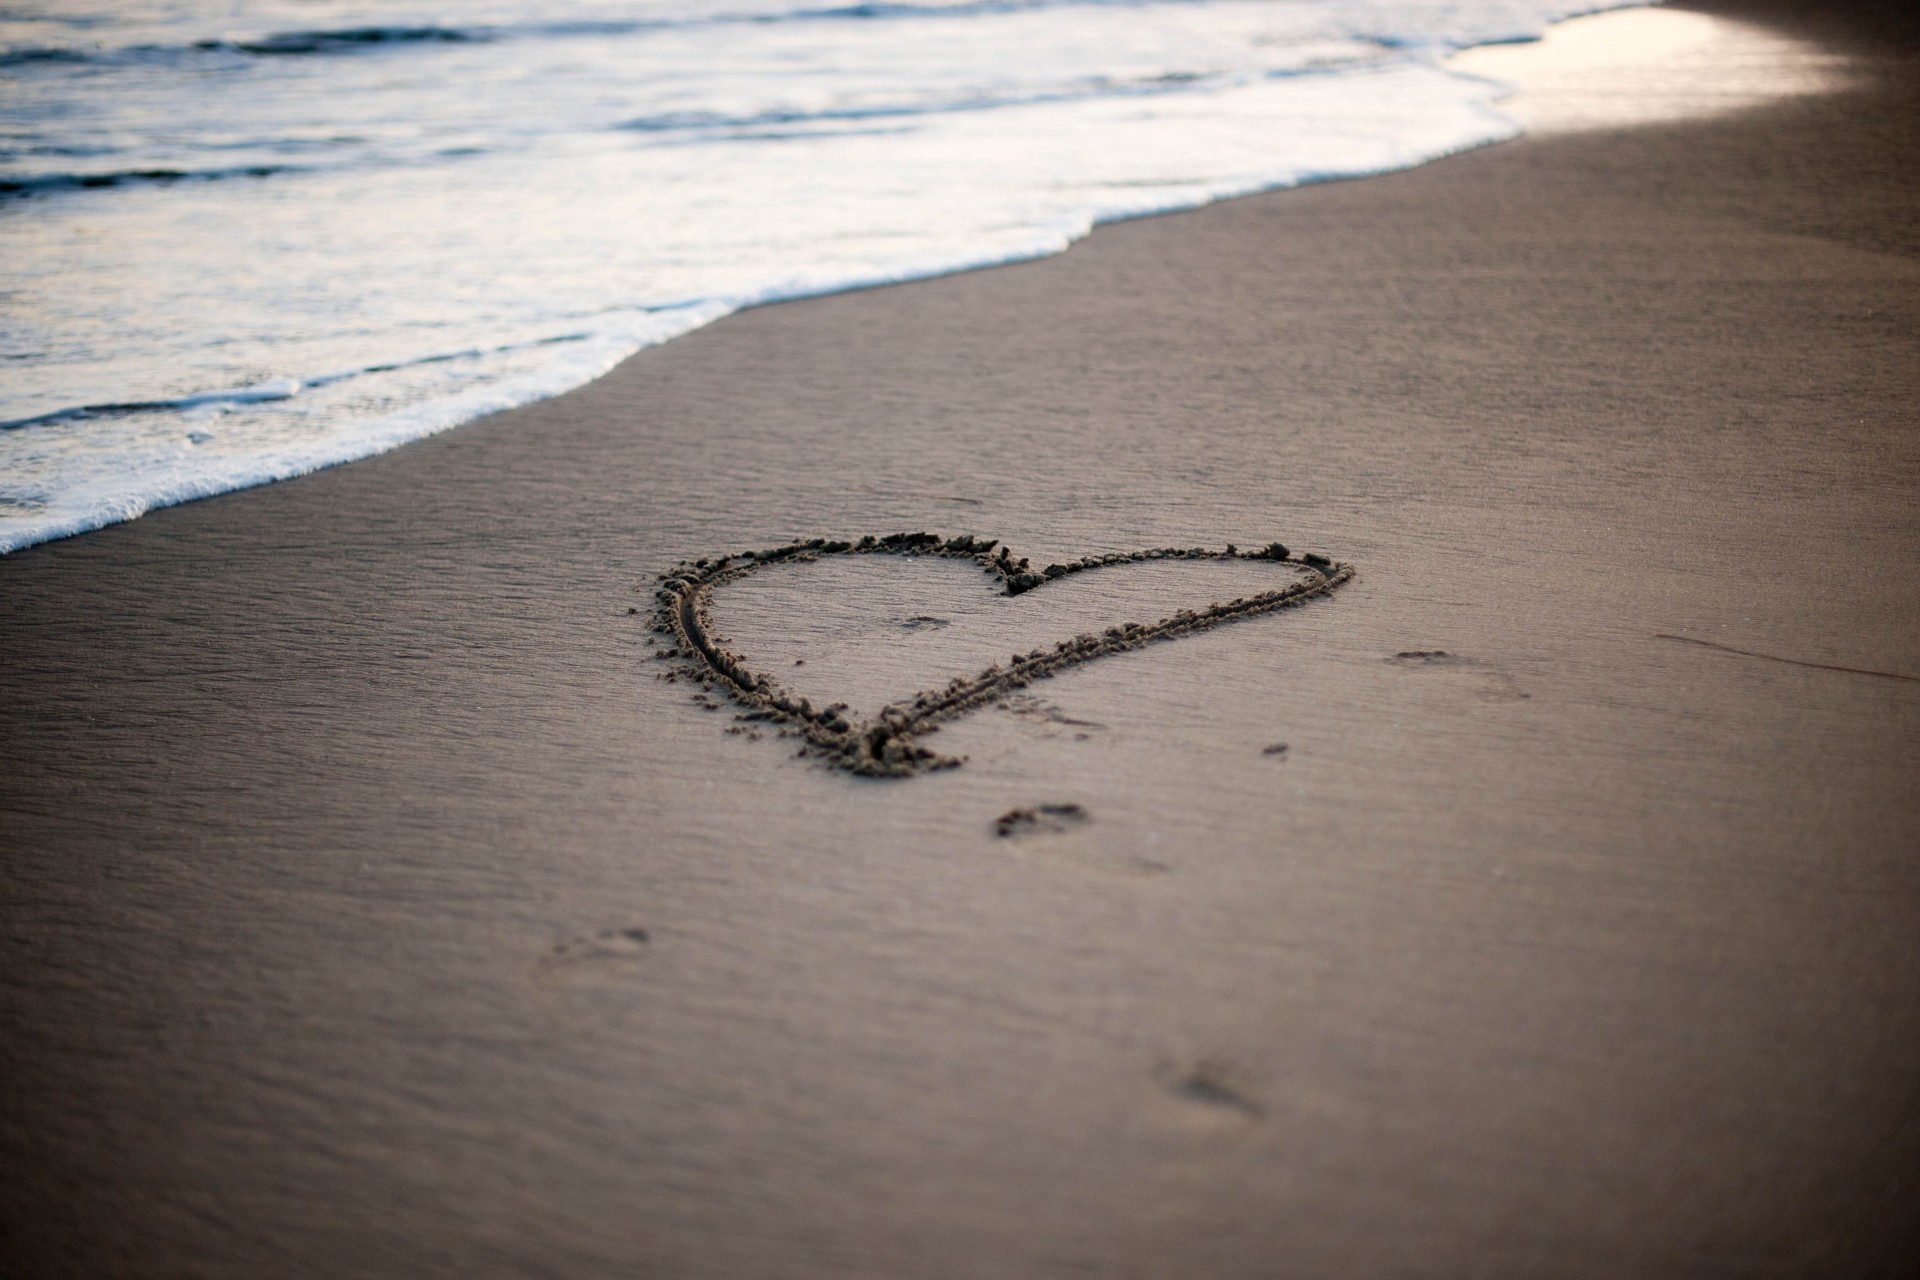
[[609, 949], [1040, 820], [1044, 821], [1046, 719], [1492, 685], [1211, 1088]]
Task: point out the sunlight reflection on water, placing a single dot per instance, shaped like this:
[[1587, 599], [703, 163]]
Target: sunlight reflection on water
[[1651, 66]]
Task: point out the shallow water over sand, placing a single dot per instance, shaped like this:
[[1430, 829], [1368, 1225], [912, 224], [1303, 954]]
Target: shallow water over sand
[[247, 241]]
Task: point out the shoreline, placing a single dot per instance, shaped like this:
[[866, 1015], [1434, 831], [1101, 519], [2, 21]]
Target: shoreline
[[604, 349], [376, 905]]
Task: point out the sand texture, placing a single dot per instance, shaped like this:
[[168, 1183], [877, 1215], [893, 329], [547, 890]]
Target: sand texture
[[1544, 901]]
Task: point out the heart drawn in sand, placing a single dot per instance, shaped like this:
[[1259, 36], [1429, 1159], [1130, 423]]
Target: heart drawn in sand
[[884, 746]]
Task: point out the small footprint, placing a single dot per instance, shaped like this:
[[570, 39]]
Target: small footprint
[[1211, 1083], [1274, 749], [1495, 686], [923, 622], [1047, 719], [609, 947], [1132, 866], [1040, 820]]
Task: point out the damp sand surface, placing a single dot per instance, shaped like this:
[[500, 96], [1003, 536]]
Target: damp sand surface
[[372, 907]]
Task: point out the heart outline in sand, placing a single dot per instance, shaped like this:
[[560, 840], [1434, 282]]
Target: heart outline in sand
[[884, 746]]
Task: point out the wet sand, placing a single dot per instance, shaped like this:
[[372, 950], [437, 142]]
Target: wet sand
[[1544, 901]]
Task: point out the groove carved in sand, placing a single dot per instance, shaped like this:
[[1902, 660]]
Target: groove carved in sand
[[885, 746]]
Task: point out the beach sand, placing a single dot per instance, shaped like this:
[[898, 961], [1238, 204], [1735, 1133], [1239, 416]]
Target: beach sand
[[375, 907]]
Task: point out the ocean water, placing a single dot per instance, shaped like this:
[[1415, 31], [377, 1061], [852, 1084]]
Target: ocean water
[[242, 239]]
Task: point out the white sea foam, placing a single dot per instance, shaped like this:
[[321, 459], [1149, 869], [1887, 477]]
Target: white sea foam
[[240, 247]]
